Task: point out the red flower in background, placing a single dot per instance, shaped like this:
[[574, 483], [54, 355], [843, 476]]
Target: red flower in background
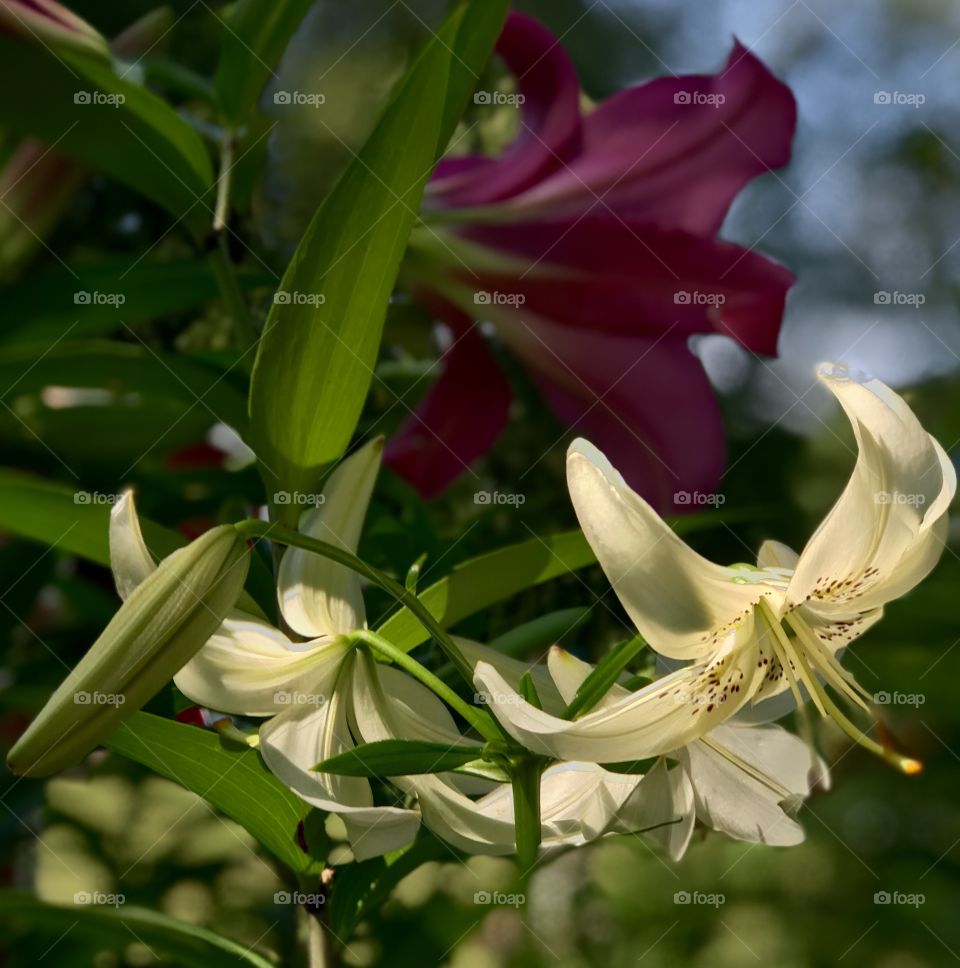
[[590, 245]]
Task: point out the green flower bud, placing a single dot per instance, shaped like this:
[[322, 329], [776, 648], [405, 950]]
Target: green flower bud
[[160, 626]]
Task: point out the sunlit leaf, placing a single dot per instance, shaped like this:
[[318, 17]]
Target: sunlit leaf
[[82, 105], [254, 37], [117, 926], [235, 781], [319, 347]]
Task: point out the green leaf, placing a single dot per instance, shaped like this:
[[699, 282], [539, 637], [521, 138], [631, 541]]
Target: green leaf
[[537, 634], [603, 676], [63, 518], [255, 36], [528, 690], [52, 305], [117, 927], [480, 582], [359, 889], [631, 767], [317, 357], [235, 781], [125, 369], [124, 131], [397, 757], [50, 513]]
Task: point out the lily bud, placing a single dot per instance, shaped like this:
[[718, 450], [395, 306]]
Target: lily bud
[[51, 23], [160, 626]]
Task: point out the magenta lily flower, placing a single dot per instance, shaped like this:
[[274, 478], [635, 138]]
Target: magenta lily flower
[[590, 245]]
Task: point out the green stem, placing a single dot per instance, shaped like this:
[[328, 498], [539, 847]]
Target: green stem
[[221, 212], [220, 260], [526, 812], [253, 528], [231, 293], [479, 719]]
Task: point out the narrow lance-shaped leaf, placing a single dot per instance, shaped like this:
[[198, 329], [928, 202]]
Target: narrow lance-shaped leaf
[[397, 757], [255, 36], [102, 927], [94, 111], [319, 347], [236, 782], [603, 676], [69, 520]]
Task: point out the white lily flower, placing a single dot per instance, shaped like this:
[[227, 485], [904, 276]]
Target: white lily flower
[[578, 801], [736, 780], [751, 632], [250, 668]]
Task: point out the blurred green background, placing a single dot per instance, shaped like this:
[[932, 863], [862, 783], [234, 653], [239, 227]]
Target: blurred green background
[[870, 205]]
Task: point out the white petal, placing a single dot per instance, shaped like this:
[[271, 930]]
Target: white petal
[[775, 554], [296, 740], [865, 551], [568, 674], [250, 668], [582, 800], [578, 801], [390, 704], [130, 559], [317, 596], [664, 799], [675, 597], [513, 671], [732, 801], [656, 719]]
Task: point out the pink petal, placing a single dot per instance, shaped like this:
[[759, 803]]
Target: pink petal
[[677, 164], [457, 421], [605, 274], [550, 122], [646, 404]]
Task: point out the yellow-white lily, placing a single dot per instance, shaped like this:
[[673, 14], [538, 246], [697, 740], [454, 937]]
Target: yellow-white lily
[[248, 667], [741, 779], [375, 702], [750, 632]]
